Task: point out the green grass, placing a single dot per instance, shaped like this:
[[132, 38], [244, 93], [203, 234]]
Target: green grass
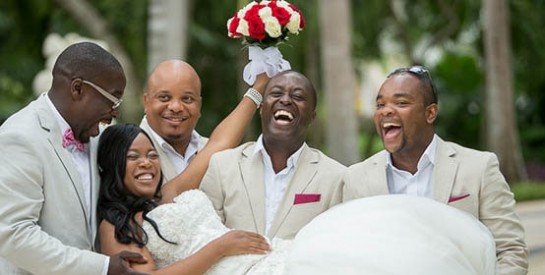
[[527, 191]]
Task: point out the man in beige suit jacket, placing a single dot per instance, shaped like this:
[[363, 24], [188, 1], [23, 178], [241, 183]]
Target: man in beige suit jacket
[[172, 103], [276, 185], [417, 162], [49, 186]]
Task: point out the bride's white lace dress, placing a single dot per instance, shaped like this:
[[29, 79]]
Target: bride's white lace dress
[[192, 222]]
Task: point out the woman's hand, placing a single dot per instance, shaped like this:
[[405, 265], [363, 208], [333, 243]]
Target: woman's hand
[[261, 82], [237, 242]]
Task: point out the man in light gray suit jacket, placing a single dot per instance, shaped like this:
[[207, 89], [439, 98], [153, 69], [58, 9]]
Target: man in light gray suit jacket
[[172, 103], [48, 177], [276, 185], [417, 162]]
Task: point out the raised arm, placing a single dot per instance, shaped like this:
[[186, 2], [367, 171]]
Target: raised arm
[[227, 134]]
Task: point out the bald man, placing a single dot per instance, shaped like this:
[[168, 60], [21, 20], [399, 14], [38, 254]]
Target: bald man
[[48, 177], [172, 106]]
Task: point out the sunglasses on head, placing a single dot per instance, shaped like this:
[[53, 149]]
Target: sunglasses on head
[[421, 72]]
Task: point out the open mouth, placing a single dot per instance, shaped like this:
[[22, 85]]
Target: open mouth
[[105, 121], [390, 130], [283, 116], [144, 177]]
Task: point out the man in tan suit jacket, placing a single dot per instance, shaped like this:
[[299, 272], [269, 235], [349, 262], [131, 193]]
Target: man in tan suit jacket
[[276, 185], [417, 162], [172, 103], [48, 177]]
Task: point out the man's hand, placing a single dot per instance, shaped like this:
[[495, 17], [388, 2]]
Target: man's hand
[[119, 263]]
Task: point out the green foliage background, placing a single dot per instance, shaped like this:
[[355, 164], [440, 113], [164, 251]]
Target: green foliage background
[[217, 58]]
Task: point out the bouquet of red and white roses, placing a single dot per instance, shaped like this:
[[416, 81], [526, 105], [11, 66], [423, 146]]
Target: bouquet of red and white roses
[[263, 25], [266, 23]]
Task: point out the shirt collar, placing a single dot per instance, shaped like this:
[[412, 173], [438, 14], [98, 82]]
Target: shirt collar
[[192, 147], [63, 125], [292, 160], [427, 157]]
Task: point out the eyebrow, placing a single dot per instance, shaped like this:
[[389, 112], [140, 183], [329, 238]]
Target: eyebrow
[[398, 95]]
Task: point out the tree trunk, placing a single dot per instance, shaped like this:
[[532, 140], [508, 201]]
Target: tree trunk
[[500, 122], [89, 18], [167, 30], [339, 81]]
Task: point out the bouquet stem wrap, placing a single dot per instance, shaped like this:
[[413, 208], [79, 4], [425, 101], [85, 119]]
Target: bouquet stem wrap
[[268, 60]]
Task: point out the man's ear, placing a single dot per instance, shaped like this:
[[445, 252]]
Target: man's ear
[[76, 89], [144, 101], [431, 113]]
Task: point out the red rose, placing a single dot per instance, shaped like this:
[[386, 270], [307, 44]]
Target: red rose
[[253, 11], [233, 27], [256, 28], [280, 13]]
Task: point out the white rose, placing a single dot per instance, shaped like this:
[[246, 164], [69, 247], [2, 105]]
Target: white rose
[[284, 4], [272, 27], [243, 27], [294, 23], [265, 13], [229, 25]]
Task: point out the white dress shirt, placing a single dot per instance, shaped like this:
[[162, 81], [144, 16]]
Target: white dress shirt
[[180, 161], [275, 183], [419, 184]]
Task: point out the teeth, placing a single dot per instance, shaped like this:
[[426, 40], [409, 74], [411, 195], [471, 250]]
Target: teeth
[[145, 177], [388, 125], [283, 113]]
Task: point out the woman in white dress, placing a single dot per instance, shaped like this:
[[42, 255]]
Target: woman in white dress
[[130, 188]]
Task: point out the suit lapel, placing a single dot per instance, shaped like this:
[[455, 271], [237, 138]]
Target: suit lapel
[[251, 168], [444, 172], [95, 184], [54, 136], [305, 170], [378, 175]]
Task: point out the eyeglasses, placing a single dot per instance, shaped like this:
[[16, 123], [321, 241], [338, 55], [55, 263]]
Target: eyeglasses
[[420, 72], [116, 101]]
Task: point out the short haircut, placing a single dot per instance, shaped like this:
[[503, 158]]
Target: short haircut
[[427, 84]]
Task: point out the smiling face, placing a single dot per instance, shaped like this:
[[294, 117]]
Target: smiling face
[[402, 119], [172, 102], [288, 109], [143, 168]]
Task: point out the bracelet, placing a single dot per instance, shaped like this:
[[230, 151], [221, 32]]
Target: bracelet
[[255, 96]]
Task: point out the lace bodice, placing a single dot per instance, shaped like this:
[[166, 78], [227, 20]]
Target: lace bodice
[[192, 222]]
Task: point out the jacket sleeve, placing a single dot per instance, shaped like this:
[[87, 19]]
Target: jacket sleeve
[[24, 242], [211, 185], [497, 212]]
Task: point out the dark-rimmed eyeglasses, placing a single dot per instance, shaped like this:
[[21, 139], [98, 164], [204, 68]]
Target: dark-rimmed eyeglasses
[[116, 101], [420, 72]]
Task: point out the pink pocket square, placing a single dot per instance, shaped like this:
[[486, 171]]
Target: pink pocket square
[[457, 198], [305, 198]]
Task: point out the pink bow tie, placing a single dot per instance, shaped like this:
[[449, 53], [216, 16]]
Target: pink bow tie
[[68, 139]]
